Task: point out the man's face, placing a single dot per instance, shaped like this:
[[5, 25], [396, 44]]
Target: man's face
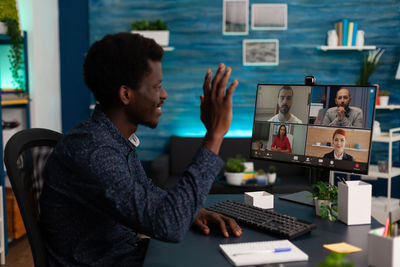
[[285, 101], [343, 98], [145, 109]]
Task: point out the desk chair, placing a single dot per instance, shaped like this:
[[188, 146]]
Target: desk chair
[[25, 156]]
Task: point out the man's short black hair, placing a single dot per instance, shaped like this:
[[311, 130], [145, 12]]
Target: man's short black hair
[[286, 88], [116, 60]]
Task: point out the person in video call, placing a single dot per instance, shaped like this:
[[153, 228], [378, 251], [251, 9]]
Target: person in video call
[[339, 142], [285, 100], [343, 115], [281, 142], [97, 202]]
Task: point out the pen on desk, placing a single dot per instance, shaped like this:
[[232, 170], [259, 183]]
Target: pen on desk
[[276, 250]]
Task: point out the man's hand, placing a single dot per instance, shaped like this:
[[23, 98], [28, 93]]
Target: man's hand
[[216, 106], [341, 113], [205, 218]]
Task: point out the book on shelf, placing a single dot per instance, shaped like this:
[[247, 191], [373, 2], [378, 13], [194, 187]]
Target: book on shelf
[[339, 31], [355, 29], [350, 33], [345, 29]]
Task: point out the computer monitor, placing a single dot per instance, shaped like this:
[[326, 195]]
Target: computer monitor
[[325, 126]]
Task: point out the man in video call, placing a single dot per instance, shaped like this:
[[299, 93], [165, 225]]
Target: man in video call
[[285, 100], [343, 115]]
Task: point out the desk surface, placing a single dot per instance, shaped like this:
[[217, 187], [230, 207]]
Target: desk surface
[[200, 250]]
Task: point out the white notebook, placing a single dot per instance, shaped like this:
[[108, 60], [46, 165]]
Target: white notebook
[[253, 253]]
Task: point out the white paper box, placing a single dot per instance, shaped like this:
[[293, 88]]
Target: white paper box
[[383, 251], [354, 202], [259, 199]]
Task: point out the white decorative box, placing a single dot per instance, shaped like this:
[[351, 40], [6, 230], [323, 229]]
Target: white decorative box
[[260, 199], [354, 202], [383, 251]]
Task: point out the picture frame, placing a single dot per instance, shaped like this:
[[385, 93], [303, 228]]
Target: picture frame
[[261, 52], [266, 17], [235, 18]]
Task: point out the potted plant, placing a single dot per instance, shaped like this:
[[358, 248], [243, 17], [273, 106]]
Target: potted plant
[[271, 174], [155, 29], [9, 18], [325, 199], [384, 98], [335, 259], [234, 170], [368, 66]]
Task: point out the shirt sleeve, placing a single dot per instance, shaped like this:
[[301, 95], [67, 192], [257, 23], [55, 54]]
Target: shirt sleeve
[[128, 195], [274, 143]]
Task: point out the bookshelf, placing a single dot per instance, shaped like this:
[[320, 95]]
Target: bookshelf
[[14, 105]]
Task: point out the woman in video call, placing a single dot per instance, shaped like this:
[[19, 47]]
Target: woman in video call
[[281, 142], [339, 141]]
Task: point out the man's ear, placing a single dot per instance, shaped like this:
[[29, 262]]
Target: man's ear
[[125, 94]]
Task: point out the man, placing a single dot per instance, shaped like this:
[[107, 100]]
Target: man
[[285, 100], [97, 202], [343, 115]]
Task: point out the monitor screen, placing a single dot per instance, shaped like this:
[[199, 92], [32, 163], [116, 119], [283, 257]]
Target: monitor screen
[[327, 126]]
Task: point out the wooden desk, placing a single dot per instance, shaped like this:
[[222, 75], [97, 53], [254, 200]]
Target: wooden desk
[[199, 250]]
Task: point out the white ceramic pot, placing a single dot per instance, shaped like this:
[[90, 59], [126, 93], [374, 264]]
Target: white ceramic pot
[[234, 178], [3, 28], [332, 38], [360, 38], [271, 178], [317, 203], [384, 100], [263, 178], [161, 37]]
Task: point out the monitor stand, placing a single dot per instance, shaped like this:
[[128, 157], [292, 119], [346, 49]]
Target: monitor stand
[[315, 175]]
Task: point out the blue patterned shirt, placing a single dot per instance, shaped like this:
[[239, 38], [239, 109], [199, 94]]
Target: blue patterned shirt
[[96, 198]]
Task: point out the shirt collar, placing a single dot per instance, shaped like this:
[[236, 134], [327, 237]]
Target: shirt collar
[[134, 140], [340, 157]]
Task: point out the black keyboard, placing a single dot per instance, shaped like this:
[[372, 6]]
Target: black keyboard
[[272, 222]]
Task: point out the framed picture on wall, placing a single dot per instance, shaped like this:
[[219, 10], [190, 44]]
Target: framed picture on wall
[[269, 17], [235, 18], [261, 52]]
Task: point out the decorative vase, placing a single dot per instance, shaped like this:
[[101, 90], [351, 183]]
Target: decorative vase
[[377, 129], [161, 37], [318, 203], [234, 178], [383, 100], [360, 38], [3, 28], [332, 38], [271, 178]]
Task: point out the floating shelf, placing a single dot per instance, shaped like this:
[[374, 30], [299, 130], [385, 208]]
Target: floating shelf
[[346, 148], [359, 48], [168, 48], [391, 107]]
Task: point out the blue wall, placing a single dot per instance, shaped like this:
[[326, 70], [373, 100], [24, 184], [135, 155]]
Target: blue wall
[[74, 43], [196, 34]]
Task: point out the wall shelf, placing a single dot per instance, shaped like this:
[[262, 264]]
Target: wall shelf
[[358, 48], [346, 148], [390, 107], [168, 48]]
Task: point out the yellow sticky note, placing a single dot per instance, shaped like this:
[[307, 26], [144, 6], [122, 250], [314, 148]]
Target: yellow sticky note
[[342, 247]]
